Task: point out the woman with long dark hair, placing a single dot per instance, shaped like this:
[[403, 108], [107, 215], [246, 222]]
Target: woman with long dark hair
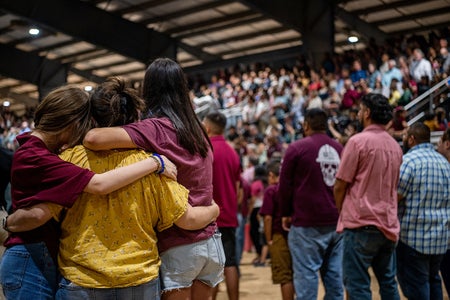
[[173, 129]]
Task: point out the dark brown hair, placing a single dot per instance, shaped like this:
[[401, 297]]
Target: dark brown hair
[[115, 104]]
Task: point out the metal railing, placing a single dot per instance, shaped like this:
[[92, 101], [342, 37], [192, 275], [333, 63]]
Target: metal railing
[[414, 109]]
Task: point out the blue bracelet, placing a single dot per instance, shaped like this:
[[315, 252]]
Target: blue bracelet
[[161, 161]]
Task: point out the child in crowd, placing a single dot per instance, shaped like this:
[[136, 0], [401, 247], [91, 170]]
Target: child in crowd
[[276, 236], [257, 195]]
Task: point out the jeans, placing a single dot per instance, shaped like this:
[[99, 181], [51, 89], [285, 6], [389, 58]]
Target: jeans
[[418, 274], [240, 235], [28, 272], [445, 271], [70, 291], [313, 250], [365, 247]]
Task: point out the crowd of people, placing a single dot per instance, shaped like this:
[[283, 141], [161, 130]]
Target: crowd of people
[[309, 158]]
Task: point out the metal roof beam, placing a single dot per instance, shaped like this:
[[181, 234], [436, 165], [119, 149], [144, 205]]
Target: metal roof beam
[[410, 17], [364, 28], [191, 10], [35, 69], [212, 22], [244, 37], [259, 57], [141, 6], [383, 7], [55, 46], [227, 26], [421, 28], [269, 44], [86, 22]]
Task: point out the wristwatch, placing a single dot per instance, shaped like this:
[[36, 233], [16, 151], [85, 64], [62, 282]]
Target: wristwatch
[[4, 223]]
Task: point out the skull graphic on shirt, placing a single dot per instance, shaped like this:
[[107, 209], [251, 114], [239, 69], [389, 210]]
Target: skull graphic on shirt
[[329, 162]]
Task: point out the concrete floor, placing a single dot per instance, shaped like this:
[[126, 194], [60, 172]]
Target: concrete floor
[[256, 283]]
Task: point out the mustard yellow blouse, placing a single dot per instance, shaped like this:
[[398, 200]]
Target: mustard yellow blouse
[[110, 240]]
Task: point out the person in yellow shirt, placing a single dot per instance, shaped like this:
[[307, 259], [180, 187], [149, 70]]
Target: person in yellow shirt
[[108, 243]]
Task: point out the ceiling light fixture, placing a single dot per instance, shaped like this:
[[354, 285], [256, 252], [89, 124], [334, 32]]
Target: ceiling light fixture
[[33, 31], [353, 39], [88, 88]]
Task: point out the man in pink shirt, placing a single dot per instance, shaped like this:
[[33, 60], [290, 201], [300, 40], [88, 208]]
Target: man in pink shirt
[[366, 196], [226, 181]]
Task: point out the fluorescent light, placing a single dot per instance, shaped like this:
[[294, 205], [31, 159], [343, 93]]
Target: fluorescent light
[[353, 39], [6, 103], [88, 88], [33, 31]]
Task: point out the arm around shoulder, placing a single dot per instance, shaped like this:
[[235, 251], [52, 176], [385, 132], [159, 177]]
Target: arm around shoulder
[[107, 138]]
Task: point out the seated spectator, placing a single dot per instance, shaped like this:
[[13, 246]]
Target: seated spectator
[[358, 73]]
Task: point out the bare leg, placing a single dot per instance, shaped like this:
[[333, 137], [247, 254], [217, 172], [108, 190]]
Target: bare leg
[[287, 291], [232, 281], [200, 290], [177, 294]]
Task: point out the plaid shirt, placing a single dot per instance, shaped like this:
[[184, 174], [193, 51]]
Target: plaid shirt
[[424, 213]]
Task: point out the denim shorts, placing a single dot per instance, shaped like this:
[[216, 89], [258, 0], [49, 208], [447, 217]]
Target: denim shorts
[[70, 291], [203, 261], [28, 272]]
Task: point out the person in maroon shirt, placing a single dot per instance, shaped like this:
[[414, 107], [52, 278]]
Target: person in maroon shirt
[[306, 193], [28, 268], [174, 130], [226, 179], [276, 236]]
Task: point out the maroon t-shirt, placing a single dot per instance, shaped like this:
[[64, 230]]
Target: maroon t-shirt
[[307, 178], [194, 172], [226, 173], [272, 207], [38, 175]]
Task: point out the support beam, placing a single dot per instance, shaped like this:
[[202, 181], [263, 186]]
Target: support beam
[[411, 17], [141, 6], [269, 44], [46, 74], [270, 56], [244, 36], [88, 75], [89, 23], [312, 19], [384, 7], [420, 29], [27, 67], [5, 92], [227, 26], [210, 23], [364, 28], [187, 11]]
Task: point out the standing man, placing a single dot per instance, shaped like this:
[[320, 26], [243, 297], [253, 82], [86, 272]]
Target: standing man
[[366, 196], [444, 149], [226, 178], [306, 195], [424, 213]]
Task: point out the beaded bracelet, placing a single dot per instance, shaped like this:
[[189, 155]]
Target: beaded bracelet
[[161, 161]]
